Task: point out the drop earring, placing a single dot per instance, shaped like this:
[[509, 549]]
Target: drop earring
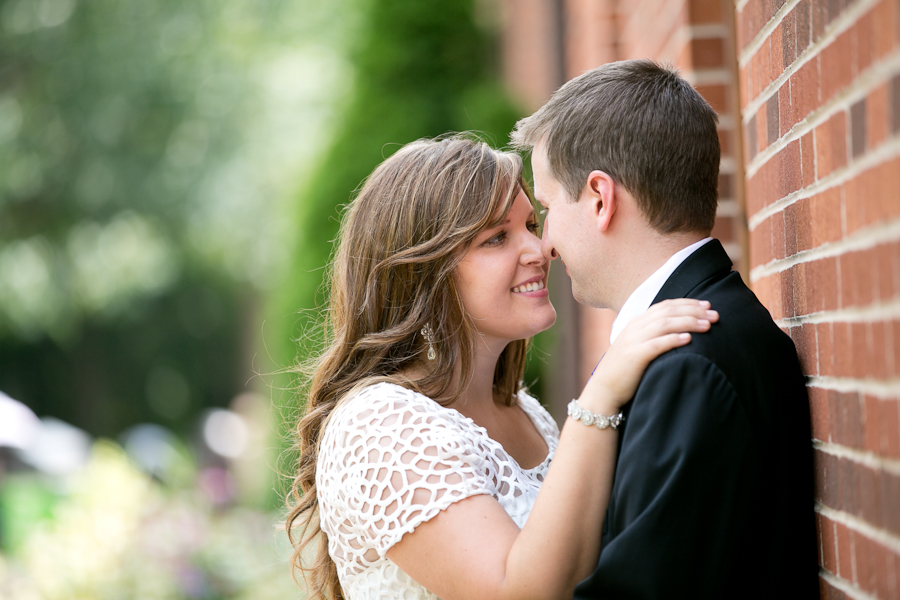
[[428, 334]]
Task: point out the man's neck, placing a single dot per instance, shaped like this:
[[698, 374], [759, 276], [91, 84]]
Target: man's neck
[[641, 262]]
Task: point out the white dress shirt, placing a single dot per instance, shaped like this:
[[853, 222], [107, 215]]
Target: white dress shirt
[[641, 298]]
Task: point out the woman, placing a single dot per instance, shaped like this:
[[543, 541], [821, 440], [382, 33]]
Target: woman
[[421, 454]]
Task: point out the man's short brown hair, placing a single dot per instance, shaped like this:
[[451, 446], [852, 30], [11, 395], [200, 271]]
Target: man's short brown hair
[[645, 127]]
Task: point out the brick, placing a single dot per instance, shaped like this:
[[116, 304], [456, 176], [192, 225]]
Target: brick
[[804, 338], [860, 559], [761, 244], [889, 428], [857, 194], [877, 116], [723, 229], [818, 18], [725, 141], [874, 196], [892, 355], [801, 304], [778, 246], [707, 53], [745, 85], [868, 495], [857, 278], [704, 11], [827, 480], [807, 160], [883, 269], [863, 33], [883, 16], [828, 544], [765, 64], [887, 568], [786, 115], [885, 189], [803, 26], [776, 58], [825, 338], [839, 74], [844, 553], [726, 186], [871, 431], [750, 136], [805, 89], [876, 350], [829, 592], [797, 227], [846, 491], [761, 126], [825, 218], [788, 29], [843, 361], [822, 280], [772, 117], [890, 365], [820, 414], [831, 144], [887, 565], [716, 96], [846, 419], [890, 491], [789, 175], [787, 294], [858, 128], [860, 346], [768, 290]]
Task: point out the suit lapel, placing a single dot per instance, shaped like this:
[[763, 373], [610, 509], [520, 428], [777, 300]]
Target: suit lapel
[[709, 260]]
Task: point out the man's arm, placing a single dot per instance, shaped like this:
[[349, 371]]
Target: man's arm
[[682, 486]]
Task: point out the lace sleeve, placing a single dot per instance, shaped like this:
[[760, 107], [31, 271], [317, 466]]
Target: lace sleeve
[[392, 459]]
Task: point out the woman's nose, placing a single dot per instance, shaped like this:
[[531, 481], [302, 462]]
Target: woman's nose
[[533, 253]]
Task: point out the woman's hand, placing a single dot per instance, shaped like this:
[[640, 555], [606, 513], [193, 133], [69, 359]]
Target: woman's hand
[[664, 326]]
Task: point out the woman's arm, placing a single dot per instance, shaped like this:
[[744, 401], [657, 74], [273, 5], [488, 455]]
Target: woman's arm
[[474, 550]]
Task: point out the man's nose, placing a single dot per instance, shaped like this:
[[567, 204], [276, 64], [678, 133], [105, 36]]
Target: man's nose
[[547, 248]]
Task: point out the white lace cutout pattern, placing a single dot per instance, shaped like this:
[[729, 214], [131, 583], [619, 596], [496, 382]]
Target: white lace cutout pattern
[[391, 459]]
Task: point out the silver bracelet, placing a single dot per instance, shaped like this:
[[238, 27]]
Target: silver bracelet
[[597, 420]]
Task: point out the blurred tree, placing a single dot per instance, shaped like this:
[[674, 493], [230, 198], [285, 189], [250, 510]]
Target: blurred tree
[[144, 147], [421, 69]]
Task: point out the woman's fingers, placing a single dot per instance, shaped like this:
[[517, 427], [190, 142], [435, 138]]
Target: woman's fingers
[[671, 319], [678, 324]]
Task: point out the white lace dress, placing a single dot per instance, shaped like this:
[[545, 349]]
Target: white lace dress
[[386, 443]]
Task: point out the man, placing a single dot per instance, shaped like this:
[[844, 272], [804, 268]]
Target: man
[[713, 491]]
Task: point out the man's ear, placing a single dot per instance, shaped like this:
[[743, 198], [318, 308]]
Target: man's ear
[[601, 192]]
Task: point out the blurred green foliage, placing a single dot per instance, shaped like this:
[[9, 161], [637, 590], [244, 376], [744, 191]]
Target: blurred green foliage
[[144, 149], [422, 69]]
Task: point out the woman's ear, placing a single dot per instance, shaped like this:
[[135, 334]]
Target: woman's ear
[[601, 190]]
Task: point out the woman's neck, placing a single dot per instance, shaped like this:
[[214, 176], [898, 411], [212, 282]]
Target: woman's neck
[[478, 397]]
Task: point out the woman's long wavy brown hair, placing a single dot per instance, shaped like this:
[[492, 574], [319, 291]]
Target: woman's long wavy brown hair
[[399, 244]]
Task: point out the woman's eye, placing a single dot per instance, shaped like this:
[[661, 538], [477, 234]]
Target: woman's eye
[[534, 227], [495, 240]]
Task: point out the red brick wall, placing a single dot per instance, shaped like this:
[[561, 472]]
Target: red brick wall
[[808, 94], [820, 106]]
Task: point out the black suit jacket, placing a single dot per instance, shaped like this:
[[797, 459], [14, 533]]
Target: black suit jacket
[[713, 490]]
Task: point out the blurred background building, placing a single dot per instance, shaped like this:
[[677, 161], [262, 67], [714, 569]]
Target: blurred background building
[[172, 175]]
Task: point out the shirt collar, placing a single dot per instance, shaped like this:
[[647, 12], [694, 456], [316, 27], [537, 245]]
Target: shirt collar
[[641, 298]]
